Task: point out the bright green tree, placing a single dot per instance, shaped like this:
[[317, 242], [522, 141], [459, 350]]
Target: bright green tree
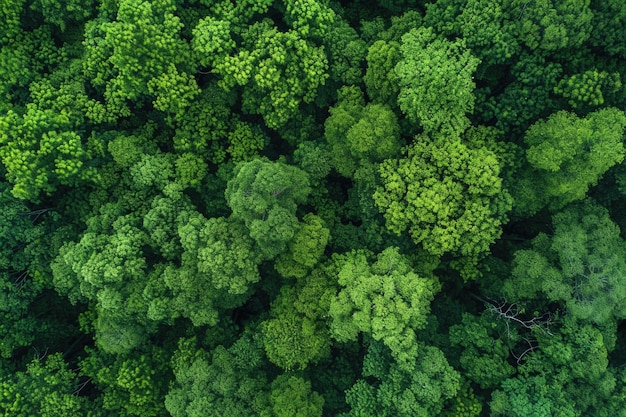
[[47, 388], [385, 299], [133, 386], [436, 81], [138, 55], [448, 195], [291, 396], [41, 151]]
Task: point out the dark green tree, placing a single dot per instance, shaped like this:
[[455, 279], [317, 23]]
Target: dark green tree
[[265, 195]]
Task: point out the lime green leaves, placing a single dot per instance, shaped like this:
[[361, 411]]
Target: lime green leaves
[[449, 196], [40, 151], [436, 83], [386, 300]]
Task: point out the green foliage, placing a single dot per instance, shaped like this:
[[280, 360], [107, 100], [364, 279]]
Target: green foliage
[[218, 267], [484, 354], [608, 17], [291, 339], [566, 375], [435, 78], [306, 249], [17, 288], [223, 383], [567, 155], [582, 265], [449, 196], [65, 14], [465, 404], [527, 97], [276, 83], [253, 206], [40, 151], [346, 52], [586, 89], [400, 392], [385, 299], [309, 17], [265, 195], [46, 388], [380, 78], [24, 55], [488, 31], [291, 396], [140, 54], [359, 133], [551, 25], [131, 387], [314, 159]]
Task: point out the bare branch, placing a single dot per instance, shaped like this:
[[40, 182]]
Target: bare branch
[[511, 313], [81, 386], [533, 344]]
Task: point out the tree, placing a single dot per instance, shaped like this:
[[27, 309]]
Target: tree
[[380, 79], [435, 78], [275, 83], [64, 14], [219, 264], [565, 375], [589, 88], [421, 391], [291, 396], [550, 25], [359, 134], [132, 386], [581, 266], [291, 339], [448, 195], [567, 155], [46, 388], [306, 249], [107, 267], [386, 300], [606, 16], [346, 52], [140, 54], [489, 30], [225, 382], [265, 195], [484, 353], [41, 150]]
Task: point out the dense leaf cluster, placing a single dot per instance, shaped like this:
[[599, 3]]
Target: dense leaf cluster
[[287, 208]]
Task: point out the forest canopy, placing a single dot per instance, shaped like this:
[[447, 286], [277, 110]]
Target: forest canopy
[[311, 208]]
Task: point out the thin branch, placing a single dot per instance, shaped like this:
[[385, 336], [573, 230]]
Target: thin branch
[[81, 386]]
